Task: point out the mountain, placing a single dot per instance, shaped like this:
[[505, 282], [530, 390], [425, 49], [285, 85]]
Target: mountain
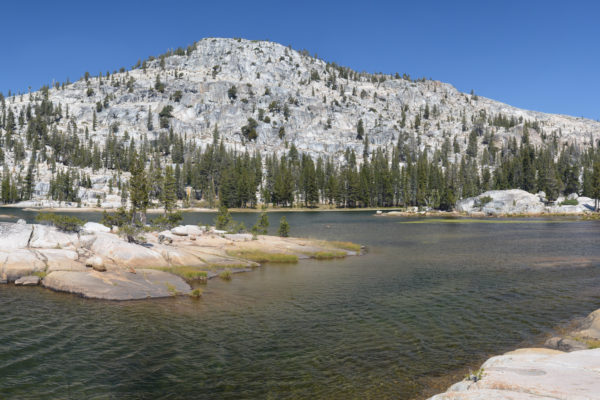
[[261, 97]]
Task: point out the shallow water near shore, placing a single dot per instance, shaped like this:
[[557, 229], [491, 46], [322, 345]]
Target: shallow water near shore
[[427, 300]]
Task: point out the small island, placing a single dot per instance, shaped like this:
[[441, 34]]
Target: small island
[[96, 262]]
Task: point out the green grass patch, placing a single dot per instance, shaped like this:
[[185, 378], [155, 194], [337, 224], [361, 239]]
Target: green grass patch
[[41, 274], [327, 255], [218, 266], [187, 273], [571, 202], [226, 275], [196, 293], [263, 256], [345, 245], [172, 290], [590, 343]]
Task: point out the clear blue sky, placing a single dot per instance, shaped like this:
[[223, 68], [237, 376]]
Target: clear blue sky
[[540, 55]]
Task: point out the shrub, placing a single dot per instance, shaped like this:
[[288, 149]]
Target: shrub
[[177, 96], [570, 202], [168, 221], [65, 223], [225, 275], [484, 200], [119, 218], [132, 232], [284, 227], [232, 93], [223, 219]]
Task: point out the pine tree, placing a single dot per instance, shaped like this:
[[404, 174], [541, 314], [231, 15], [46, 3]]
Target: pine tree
[[596, 183], [284, 227], [168, 192], [149, 120], [360, 130], [139, 191], [223, 219]]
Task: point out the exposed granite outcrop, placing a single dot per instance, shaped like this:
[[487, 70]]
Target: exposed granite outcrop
[[99, 264]]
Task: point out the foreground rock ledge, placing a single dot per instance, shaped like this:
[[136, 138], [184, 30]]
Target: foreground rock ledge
[[539, 373], [96, 263]]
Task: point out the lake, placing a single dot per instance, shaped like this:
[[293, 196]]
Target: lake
[[429, 298]]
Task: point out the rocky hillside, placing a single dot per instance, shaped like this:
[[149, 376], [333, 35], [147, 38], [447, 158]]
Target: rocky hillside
[[263, 96]]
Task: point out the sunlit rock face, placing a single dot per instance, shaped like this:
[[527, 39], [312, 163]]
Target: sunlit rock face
[[293, 97]]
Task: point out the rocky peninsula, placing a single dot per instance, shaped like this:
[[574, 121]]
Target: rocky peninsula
[[511, 202], [568, 367], [96, 263]]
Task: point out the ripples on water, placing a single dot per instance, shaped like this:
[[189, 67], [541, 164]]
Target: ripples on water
[[428, 299]]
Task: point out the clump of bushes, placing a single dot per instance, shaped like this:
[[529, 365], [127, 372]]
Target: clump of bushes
[[570, 202], [225, 222], [484, 200], [66, 223], [168, 221]]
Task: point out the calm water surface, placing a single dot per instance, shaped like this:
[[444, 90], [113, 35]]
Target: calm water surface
[[427, 299]]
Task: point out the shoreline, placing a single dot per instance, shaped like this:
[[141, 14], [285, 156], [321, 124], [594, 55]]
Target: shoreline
[[378, 212], [456, 214], [195, 209], [97, 263], [566, 357]]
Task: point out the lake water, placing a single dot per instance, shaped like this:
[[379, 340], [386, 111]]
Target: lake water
[[428, 299]]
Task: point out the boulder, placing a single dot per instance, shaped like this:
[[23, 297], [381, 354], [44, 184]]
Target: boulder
[[528, 374], [111, 247], [591, 327], [95, 263], [564, 344], [14, 236], [117, 285], [93, 227], [18, 263], [185, 230], [495, 202], [164, 239], [45, 236], [238, 237], [30, 280]]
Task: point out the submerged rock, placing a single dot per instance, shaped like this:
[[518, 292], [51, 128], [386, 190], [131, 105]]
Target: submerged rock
[[30, 280], [117, 285]]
